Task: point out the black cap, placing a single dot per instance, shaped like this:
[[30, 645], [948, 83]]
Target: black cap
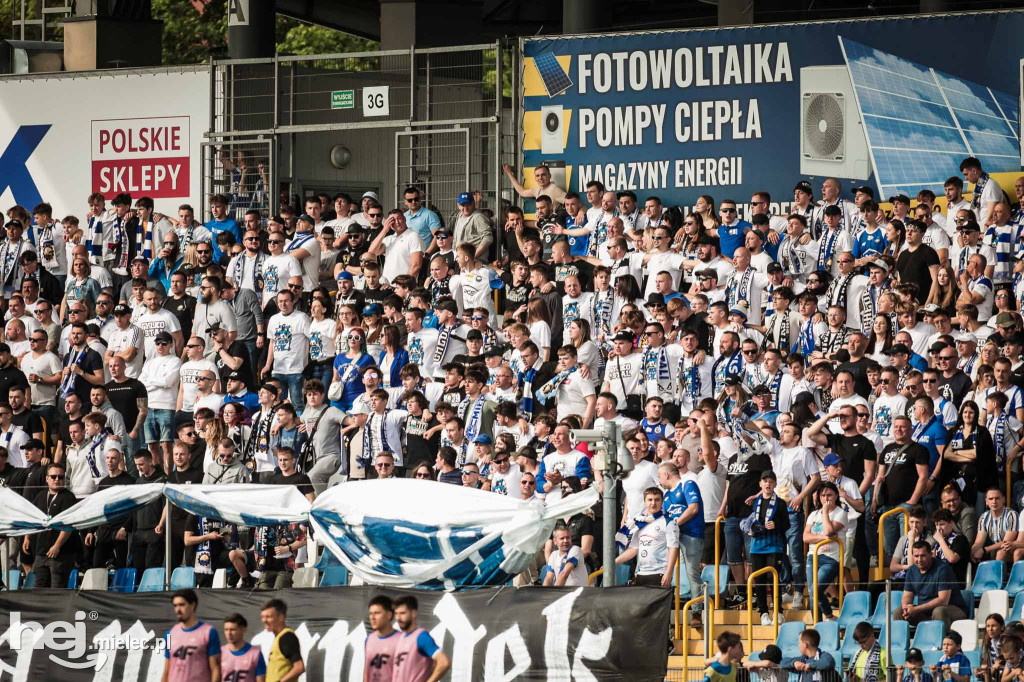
[[655, 299], [355, 228], [624, 336], [732, 380], [865, 189], [474, 335], [901, 198], [832, 209], [969, 226], [897, 349], [762, 390], [937, 346], [447, 304], [236, 376], [774, 267], [804, 186], [306, 218], [122, 309], [771, 653], [33, 444], [165, 337], [271, 387], [768, 473], [914, 655], [493, 351]]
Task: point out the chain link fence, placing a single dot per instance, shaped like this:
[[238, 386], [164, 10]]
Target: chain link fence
[[242, 171]]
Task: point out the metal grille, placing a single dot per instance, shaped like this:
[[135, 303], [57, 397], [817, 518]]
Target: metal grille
[[241, 170], [436, 162]]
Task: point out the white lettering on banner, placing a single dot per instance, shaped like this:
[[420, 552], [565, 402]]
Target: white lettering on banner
[[451, 618], [141, 156], [684, 67], [709, 120], [494, 663], [556, 642], [651, 175]]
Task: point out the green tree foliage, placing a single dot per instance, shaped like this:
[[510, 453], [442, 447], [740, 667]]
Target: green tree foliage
[[194, 30]]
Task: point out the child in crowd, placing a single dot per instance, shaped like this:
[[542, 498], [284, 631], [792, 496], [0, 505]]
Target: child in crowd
[[914, 670], [953, 665], [730, 652]]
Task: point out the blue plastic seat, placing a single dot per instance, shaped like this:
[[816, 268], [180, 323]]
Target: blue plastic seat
[[928, 635], [1015, 583], [124, 581], [14, 579], [1018, 606], [968, 597], [850, 647], [974, 657], [856, 607], [182, 578], [707, 576], [152, 580], [989, 576], [829, 632], [334, 576], [900, 635], [30, 581], [788, 638], [684, 583], [931, 657], [878, 617], [73, 579]]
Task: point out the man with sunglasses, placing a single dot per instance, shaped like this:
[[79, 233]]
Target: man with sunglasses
[[55, 550], [277, 268], [43, 370], [160, 378]]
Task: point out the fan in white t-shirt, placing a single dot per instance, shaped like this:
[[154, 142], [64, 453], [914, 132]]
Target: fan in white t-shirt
[[566, 562]]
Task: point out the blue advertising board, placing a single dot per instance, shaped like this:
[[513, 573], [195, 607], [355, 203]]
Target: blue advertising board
[[894, 103]]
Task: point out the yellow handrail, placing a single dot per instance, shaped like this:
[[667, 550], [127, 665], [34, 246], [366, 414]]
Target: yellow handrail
[[750, 603], [1008, 484], [594, 576], [814, 569], [717, 597], [686, 630], [882, 571]]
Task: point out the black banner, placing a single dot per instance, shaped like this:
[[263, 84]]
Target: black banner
[[490, 634]]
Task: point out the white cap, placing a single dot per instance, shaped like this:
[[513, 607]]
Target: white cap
[[360, 408], [370, 195]]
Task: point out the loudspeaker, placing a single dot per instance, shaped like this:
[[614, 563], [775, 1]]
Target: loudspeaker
[[551, 138]]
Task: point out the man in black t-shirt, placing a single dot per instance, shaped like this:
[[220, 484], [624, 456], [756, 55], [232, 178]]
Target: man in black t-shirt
[[229, 358], [179, 303], [21, 416], [55, 550], [213, 542], [10, 375], [902, 479], [288, 475], [918, 263], [128, 397], [107, 546], [743, 482], [856, 451]]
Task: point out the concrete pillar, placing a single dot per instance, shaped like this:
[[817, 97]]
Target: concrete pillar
[[735, 12], [251, 29], [427, 23]]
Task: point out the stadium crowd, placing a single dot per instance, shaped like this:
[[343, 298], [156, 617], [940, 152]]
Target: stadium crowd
[[798, 375]]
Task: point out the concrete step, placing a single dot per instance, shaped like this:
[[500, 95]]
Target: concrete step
[[738, 617], [696, 648]]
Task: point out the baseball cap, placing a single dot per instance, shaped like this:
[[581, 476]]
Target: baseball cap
[[140, 258], [804, 186], [914, 655], [655, 299], [354, 228], [372, 309], [831, 459], [774, 267], [345, 274], [865, 189], [271, 387], [897, 349], [236, 376], [964, 337], [772, 653], [739, 310], [768, 473], [762, 390], [493, 352], [33, 444], [483, 439], [901, 198], [1005, 320], [360, 408], [969, 226], [732, 380], [879, 263], [306, 218], [624, 336], [164, 337], [930, 308], [474, 335], [528, 453], [464, 198], [370, 195], [122, 309]]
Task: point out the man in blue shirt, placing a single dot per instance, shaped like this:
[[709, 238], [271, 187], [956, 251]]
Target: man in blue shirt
[[930, 590], [221, 222], [418, 217], [732, 231], [684, 506]]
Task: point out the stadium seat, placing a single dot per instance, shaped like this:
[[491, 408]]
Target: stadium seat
[[220, 578], [14, 579], [684, 582], [878, 617], [1018, 607], [305, 577], [1015, 583], [787, 639], [707, 576], [152, 580], [124, 581], [183, 577], [931, 657], [968, 597], [968, 630], [900, 635], [30, 581], [928, 635], [989, 576], [992, 601], [974, 656], [95, 579], [829, 632], [335, 576], [73, 579], [856, 607]]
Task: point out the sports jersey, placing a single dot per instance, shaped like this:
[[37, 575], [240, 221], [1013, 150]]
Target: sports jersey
[[189, 651], [676, 502], [380, 656], [414, 654], [244, 665], [997, 527], [652, 542]]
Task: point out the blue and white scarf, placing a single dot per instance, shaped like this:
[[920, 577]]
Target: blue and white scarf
[[144, 239], [774, 386], [298, 241], [443, 338], [471, 413], [238, 272], [47, 250], [550, 389], [95, 239], [724, 367], [67, 384], [997, 426], [526, 402], [979, 188], [739, 287], [828, 245], [625, 534], [805, 344], [792, 256], [770, 514], [375, 425], [689, 380], [656, 369], [90, 453]]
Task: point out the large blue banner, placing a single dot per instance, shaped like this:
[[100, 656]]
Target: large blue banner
[[894, 103]]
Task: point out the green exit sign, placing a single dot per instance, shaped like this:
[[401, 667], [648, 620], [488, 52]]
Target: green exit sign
[[343, 99]]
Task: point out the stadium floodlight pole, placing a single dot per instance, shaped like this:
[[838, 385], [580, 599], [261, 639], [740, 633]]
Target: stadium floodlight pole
[[614, 462]]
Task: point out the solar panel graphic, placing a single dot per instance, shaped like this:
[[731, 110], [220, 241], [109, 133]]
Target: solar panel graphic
[[921, 123], [556, 80]]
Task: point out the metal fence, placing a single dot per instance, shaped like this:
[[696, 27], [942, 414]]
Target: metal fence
[[434, 118], [243, 170]]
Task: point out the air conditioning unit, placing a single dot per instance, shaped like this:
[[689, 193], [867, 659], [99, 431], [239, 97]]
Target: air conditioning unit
[[832, 139]]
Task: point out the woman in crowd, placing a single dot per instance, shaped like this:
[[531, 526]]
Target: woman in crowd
[[347, 369], [968, 459], [322, 350]]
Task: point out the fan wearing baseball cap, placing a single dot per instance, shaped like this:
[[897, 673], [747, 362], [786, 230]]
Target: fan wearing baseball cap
[[472, 226]]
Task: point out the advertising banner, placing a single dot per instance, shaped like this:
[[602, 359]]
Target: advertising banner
[[489, 634], [895, 103], [66, 137]]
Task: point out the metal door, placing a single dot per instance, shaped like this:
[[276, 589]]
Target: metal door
[[243, 170], [435, 161]]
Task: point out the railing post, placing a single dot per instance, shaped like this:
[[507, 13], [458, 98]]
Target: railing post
[[709, 623], [717, 591], [882, 571], [888, 617], [814, 576], [750, 602], [167, 544]]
